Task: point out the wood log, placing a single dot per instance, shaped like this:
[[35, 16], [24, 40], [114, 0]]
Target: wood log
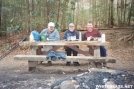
[[68, 58], [63, 43], [105, 70]]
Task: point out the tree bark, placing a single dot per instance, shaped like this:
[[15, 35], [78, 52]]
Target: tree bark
[[121, 10], [112, 18], [48, 11], [28, 13], [58, 14], [0, 12], [124, 20], [130, 13], [32, 5], [118, 13], [77, 12], [109, 15]]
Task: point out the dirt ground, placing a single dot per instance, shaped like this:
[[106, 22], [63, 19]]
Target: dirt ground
[[14, 74]]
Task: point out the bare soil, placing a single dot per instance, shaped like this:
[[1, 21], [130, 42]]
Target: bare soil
[[14, 74]]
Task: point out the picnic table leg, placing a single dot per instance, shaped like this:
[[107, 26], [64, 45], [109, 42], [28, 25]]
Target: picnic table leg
[[95, 51], [32, 64], [38, 52], [97, 54]]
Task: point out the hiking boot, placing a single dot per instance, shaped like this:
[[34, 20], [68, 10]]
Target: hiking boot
[[68, 63], [76, 63], [105, 65], [49, 63]]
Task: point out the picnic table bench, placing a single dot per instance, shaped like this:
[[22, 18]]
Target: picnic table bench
[[36, 55]]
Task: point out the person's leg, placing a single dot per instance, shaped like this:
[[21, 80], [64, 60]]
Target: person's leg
[[103, 53], [49, 63], [75, 54], [91, 50], [68, 51]]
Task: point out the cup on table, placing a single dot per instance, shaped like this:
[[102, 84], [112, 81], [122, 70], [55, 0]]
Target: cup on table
[[88, 38], [99, 39], [95, 38]]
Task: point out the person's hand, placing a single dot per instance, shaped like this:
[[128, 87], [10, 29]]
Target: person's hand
[[91, 37]]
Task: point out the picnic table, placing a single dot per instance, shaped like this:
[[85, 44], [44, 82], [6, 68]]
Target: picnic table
[[37, 56]]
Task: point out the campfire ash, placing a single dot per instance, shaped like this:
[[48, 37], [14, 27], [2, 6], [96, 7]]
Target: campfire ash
[[97, 79]]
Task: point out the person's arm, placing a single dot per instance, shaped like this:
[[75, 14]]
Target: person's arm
[[98, 33], [85, 38], [65, 36], [77, 35], [56, 38], [44, 31]]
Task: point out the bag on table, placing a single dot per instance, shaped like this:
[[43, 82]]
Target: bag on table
[[43, 37], [34, 36]]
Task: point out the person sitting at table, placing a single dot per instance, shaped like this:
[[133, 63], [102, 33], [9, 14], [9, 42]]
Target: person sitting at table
[[67, 36], [91, 33], [51, 34]]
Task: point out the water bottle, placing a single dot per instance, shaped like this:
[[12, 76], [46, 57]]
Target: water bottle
[[31, 38], [103, 39], [79, 36]]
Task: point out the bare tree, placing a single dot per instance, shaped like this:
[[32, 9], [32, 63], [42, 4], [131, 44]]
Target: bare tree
[[28, 17], [0, 11]]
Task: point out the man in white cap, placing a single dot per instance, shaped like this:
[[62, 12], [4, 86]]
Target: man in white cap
[[51, 33]]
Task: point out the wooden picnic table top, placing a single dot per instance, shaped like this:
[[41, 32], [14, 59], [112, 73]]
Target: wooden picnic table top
[[63, 43]]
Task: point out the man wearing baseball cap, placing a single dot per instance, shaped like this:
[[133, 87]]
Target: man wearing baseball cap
[[51, 33], [71, 32]]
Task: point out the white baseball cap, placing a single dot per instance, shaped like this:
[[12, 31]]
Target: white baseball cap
[[71, 24], [51, 24]]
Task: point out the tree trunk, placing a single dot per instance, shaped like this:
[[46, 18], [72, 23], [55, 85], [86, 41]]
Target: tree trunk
[[58, 14], [33, 17], [77, 12], [130, 13], [124, 20], [118, 13], [109, 15], [32, 5], [28, 12], [122, 10], [0, 12], [112, 18], [48, 11]]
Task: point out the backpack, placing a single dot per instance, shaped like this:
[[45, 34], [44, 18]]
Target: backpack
[[34, 36]]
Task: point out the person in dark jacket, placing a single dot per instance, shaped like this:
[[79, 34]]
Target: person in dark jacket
[[71, 32]]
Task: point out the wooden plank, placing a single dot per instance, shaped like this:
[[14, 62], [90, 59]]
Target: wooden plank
[[105, 70], [63, 43], [114, 28], [68, 58], [79, 50], [53, 49], [97, 51], [32, 64]]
